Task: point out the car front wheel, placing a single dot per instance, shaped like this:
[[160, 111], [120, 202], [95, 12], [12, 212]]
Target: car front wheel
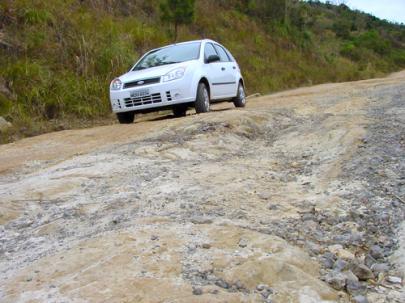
[[126, 118], [240, 99], [202, 102]]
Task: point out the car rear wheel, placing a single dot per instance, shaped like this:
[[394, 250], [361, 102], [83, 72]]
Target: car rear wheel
[[180, 111], [202, 102], [240, 99], [126, 118]]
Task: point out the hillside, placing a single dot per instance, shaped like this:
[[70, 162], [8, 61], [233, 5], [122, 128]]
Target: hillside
[[58, 57]]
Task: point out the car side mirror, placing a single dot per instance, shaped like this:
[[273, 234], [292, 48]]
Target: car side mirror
[[213, 58]]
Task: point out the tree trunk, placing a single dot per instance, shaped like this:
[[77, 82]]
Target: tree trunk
[[175, 31]]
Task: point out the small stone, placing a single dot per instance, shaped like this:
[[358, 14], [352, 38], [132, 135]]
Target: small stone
[[116, 220], [197, 291], [238, 285], [355, 287], [329, 255], [295, 164], [307, 217], [222, 284], [350, 276], [336, 279], [261, 287], [345, 254], [206, 246], [376, 252], [380, 268], [154, 237], [340, 265], [272, 207], [243, 243], [335, 248], [362, 271], [266, 294], [394, 280], [369, 260], [201, 220], [314, 247], [360, 299], [328, 263]]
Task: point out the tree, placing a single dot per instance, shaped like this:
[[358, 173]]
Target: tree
[[177, 12], [270, 10]]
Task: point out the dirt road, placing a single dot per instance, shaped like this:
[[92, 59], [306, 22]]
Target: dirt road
[[297, 198]]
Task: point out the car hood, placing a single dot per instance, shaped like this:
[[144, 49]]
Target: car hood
[[152, 72]]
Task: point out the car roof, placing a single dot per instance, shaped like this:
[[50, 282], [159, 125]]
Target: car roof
[[184, 42], [193, 41]]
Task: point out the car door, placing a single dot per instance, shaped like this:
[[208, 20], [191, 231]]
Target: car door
[[213, 72], [228, 69]]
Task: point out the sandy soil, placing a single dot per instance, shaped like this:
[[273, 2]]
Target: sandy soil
[[231, 206]]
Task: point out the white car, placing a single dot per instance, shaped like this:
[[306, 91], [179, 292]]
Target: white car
[[178, 76]]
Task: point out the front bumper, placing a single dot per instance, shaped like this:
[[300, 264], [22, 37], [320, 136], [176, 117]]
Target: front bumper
[[159, 95]]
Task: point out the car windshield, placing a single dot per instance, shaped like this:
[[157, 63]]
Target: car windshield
[[170, 55]]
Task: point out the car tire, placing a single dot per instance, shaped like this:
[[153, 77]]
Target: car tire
[[126, 118], [180, 111], [202, 102], [240, 99]]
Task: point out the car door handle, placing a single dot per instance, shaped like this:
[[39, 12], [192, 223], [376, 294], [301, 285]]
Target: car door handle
[[223, 68]]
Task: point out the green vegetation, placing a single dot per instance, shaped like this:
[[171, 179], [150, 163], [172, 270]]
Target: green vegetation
[[57, 57], [177, 12]]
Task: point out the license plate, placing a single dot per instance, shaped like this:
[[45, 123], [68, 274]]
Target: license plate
[[139, 93]]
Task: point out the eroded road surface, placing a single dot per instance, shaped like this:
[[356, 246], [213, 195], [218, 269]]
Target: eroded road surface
[[297, 198]]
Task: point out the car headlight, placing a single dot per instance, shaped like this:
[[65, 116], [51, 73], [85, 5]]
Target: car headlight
[[116, 84], [174, 74]]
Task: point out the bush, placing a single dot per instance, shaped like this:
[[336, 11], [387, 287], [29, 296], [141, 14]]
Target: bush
[[342, 29], [350, 50], [398, 58], [372, 40]]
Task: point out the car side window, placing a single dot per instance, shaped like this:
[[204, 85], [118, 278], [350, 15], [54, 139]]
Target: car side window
[[231, 58], [209, 50], [222, 53]]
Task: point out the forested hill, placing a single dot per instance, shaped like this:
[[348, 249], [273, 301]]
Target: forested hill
[[57, 57]]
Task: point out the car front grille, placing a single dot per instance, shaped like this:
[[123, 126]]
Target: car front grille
[[138, 101], [141, 82]]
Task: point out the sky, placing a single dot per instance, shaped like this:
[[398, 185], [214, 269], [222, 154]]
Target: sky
[[392, 10]]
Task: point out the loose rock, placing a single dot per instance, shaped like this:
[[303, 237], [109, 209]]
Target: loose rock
[[394, 280], [336, 279], [197, 291], [362, 271], [243, 243], [340, 265], [355, 287], [222, 284], [380, 268], [360, 299], [201, 220], [376, 252]]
